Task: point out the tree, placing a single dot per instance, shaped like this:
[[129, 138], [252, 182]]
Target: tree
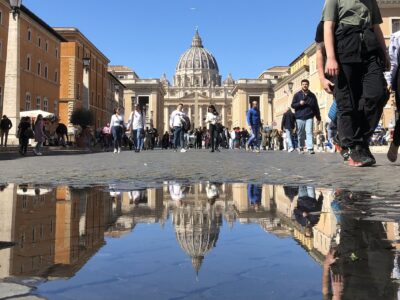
[[82, 117]]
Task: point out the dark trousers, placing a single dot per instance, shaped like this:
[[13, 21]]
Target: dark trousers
[[214, 136], [4, 136], [179, 138], [117, 136], [361, 94], [23, 144]]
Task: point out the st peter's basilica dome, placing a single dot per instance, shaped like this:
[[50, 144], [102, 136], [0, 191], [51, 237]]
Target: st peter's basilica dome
[[197, 67]]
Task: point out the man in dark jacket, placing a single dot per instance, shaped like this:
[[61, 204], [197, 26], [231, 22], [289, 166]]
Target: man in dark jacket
[[5, 126], [288, 125], [305, 105], [254, 122]]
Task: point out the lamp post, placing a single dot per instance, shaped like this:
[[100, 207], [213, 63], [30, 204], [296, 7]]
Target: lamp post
[[85, 81], [12, 88]]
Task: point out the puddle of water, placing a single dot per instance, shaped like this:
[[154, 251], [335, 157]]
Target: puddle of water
[[200, 241]]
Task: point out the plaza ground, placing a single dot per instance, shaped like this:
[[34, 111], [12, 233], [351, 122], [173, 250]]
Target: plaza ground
[[80, 168]]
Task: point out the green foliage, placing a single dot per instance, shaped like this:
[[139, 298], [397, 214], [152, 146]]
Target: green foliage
[[82, 117]]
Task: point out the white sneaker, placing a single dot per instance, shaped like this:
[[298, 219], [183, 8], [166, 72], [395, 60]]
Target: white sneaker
[[39, 153], [115, 151], [119, 150], [291, 150], [34, 151], [183, 150]]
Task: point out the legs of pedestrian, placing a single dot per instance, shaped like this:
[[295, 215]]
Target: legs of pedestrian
[[289, 140], [5, 138], [139, 140], [394, 146], [301, 133], [182, 140], [310, 137], [1, 137]]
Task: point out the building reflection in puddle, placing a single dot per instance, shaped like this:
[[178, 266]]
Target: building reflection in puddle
[[57, 230]]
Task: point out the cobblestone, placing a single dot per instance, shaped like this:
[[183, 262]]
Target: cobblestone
[[154, 167]]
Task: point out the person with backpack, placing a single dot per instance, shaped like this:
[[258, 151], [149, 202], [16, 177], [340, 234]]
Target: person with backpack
[[289, 125], [212, 120], [254, 122], [393, 81], [25, 132], [176, 122], [356, 58]]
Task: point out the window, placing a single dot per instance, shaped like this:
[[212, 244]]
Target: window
[[28, 102], [28, 63], [45, 104], [39, 68], [29, 35], [56, 107], [38, 103], [39, 42], [1, 98], [395, 25], [1, 17], [47, 46], [1, 49], [56, 76], [56, 52], [46, 72]]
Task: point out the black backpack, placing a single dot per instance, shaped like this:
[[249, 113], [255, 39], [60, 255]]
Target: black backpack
[[186, 123]]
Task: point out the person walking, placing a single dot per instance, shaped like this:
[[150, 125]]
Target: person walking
[[24, 133], [212, 119], [306, 107], [254, 122], [40, 136], [5, 126], [356, 57], [288, 126], [176, 124], [393, 81], [136, 124], [117, 128]]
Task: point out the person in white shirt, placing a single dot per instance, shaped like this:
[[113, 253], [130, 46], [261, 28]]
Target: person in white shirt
[[176, 124], [393, 81], [212, 192], [136, 124], [212, 120], [232, 139], [117, 129], [177, 191]]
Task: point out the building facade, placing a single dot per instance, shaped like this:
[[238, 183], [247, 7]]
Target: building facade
[[39, 64], [82, 86]]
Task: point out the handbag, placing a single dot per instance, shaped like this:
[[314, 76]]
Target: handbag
[[29, 133]]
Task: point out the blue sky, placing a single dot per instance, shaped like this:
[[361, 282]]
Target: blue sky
[[246, 37]]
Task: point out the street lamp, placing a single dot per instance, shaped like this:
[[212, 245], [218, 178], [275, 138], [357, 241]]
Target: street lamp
[[86, 63], [290, 87], [15, 7]]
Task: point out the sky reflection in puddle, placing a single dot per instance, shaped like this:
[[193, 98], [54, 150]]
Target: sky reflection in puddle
[[202, 241]]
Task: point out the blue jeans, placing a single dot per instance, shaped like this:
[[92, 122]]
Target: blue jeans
[[117, 136], [139, 139], [179, 140], [305, 129], [254, 138], [289, 138]]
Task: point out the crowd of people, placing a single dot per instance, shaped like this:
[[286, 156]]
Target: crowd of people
[[351, 61]]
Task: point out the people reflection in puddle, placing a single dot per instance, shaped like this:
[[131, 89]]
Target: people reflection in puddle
[[178, 191], [212, 192], [308, 209], [254, 193], [360, 261]]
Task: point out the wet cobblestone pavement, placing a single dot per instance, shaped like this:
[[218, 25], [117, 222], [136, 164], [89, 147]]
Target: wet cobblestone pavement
[[198, 241], [325, 170]]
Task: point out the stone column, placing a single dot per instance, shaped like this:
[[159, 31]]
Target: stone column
[[7, 226], [200, 117], [190, 112], [196, 111], [166, 119], [12, 92], [223, 116]]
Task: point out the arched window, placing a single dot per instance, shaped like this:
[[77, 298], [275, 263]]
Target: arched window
[[28, 62], [39, 68], [29, 35], [45, 104], [47, 46], [38, 103], [28, 101]]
